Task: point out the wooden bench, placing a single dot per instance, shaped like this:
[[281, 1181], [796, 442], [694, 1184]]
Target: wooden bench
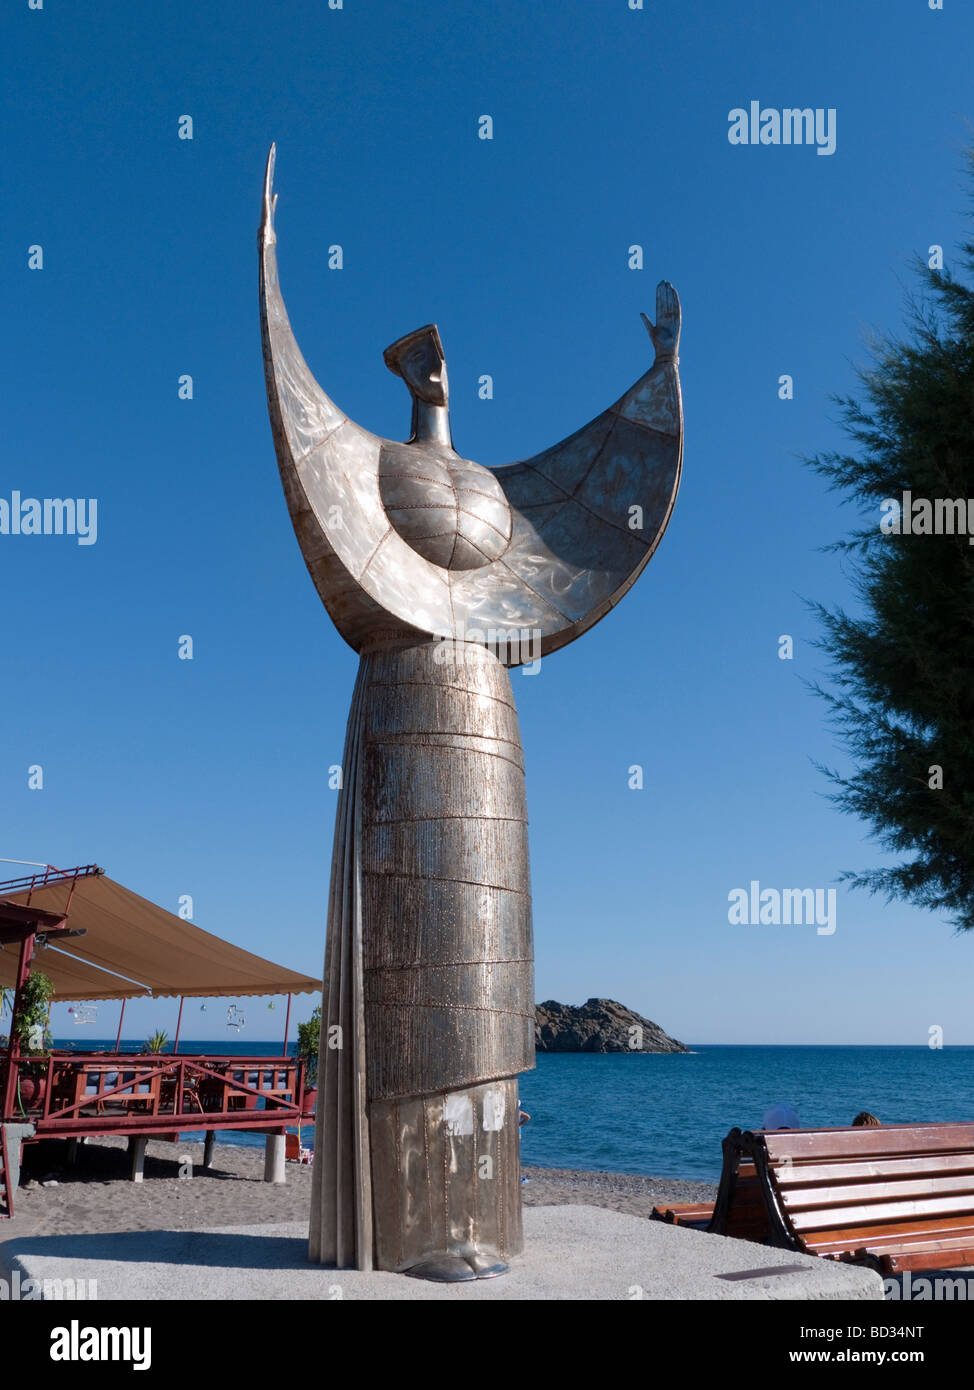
[[748, 1217], [697, 1215], [896, 1197]]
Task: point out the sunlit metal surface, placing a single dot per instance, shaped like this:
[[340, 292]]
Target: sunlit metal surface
[[428, 992]]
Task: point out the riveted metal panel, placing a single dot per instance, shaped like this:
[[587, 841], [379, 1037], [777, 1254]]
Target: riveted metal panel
[[446, 902]]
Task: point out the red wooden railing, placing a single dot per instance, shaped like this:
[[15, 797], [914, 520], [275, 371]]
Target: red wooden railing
[[70, 1093]]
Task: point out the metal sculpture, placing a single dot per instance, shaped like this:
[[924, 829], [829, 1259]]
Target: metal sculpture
[[441, 573]]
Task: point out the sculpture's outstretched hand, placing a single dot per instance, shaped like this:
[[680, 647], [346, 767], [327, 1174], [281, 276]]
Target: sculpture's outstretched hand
[[665, 333]]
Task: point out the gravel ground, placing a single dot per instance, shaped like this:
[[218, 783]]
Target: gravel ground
[[95, 1195], [625, 1192]]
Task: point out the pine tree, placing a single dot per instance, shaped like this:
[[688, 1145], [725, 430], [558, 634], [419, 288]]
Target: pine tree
[[902, 694]]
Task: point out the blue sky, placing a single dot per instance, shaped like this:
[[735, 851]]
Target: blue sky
[[209, 777]]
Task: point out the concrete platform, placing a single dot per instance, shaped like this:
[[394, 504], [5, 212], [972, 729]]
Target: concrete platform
[[572, 1252]]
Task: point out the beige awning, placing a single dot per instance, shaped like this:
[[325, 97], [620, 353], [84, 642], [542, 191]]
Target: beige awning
[[73, 979], [132, 948]]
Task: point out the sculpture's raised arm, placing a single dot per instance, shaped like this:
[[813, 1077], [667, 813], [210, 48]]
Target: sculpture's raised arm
[[589, 512]]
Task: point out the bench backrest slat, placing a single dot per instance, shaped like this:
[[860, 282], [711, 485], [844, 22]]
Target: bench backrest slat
[[788, 1175], [876, 1213], [894, 1233], [823, 1199], [798, 1144]]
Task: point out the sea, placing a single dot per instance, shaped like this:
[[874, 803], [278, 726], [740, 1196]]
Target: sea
[[665, 1114]]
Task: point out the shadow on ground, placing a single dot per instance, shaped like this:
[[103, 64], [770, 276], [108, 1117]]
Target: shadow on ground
[[213, 1250], [46, 1159]]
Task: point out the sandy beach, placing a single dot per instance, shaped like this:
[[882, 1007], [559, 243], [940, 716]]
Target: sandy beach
[[95, 1195]]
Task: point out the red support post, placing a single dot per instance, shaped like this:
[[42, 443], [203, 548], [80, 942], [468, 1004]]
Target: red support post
[[13, 1052], [118, 1035], [179, 1024], [49, 1086], [287, 1023]]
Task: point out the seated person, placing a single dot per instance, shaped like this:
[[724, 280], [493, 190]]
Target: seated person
[[781, 1116]]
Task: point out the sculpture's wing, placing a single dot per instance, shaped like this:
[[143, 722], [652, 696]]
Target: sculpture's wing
[[365, 572], [589, 512]]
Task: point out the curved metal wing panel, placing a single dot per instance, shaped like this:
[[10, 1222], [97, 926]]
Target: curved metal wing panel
[[587, 513], [590, 512], [366, 575]]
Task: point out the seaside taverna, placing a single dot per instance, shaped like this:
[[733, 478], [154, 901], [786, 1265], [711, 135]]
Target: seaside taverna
[[94, 940]]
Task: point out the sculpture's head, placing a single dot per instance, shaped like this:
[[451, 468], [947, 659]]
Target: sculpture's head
[[448, 509], [418, 359]]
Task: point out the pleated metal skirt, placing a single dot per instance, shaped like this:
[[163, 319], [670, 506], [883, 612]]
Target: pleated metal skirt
[[428, 1013]]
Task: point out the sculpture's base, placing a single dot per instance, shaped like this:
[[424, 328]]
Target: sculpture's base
[[458, 1269], [572, 1252]]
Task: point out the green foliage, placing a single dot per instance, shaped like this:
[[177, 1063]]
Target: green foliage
[[35, 1000], [902, 694], [156, 1042], [308, 1034]]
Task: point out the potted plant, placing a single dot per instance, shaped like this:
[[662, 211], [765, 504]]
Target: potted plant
[[308, 1035], [30, 1026], [156, 1042]]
